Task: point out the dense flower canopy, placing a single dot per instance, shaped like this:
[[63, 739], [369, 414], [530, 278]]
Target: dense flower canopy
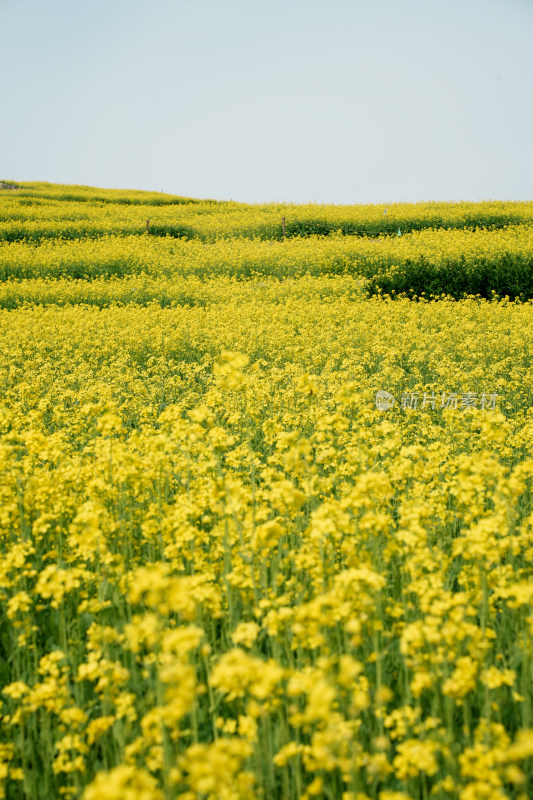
[[225, 573]]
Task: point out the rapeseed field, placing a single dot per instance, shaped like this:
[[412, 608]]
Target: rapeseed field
[[228, 570]]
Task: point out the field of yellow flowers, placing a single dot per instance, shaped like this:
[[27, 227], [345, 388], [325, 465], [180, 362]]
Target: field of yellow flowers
[[226, 572]]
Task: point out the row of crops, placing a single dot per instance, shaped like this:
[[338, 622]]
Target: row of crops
[[483, 249], [228, 573], [36, 211]]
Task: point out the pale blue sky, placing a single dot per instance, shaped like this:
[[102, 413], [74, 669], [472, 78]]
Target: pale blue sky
[[345, 101]]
